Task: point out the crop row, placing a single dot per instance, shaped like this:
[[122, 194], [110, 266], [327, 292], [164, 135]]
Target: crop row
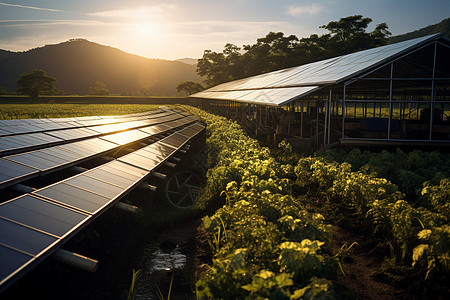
[[265, 244], [420, 233]]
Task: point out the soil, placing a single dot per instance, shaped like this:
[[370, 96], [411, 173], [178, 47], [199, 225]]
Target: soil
[[361, 264]]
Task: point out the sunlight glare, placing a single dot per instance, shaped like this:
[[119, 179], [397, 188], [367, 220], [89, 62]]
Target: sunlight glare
[[146, 31]]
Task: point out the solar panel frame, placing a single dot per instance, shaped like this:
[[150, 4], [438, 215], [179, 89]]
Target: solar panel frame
[[42, 215], [144, 162], [317, 74], [12, 173], [73, 197]]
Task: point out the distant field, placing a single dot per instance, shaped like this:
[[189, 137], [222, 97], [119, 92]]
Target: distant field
[[49, 110]]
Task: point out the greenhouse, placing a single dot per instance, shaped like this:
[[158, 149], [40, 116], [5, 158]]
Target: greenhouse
[[398, 94]]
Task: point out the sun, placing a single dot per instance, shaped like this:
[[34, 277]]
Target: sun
[[145, 30]]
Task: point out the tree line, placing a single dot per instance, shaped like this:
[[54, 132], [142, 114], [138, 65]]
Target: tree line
[[38, 83], [273, 52], [276, 51]]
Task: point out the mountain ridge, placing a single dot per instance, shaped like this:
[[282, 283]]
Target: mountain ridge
[[78, 63], [443, 26]]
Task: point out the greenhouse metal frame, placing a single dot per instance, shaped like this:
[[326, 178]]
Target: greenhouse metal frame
[[394, 94]]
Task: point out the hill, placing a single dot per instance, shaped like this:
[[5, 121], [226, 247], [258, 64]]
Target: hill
[[78, 63], [187, 60], [443, 26]]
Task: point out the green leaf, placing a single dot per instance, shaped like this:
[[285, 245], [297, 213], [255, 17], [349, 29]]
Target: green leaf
[[284, 279], [424, 234], [299, 293], [418, 252], [206, 222]]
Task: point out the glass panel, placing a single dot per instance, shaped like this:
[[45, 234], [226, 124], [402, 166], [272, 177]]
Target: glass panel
[[125, 169], [126, 137], [32, 161], [417, 120], [74, 197], [41, 215], [23, 238], [11, 260], [145, 163], [96, 186], [111, 177]]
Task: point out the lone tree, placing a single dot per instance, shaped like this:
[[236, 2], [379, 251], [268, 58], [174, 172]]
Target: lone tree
[[189, 87], [36, 83], [99, 89]]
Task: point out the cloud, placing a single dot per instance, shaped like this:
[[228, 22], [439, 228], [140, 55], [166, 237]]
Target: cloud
[[31, 7], [297, 10], [135, 13], [34, 24]]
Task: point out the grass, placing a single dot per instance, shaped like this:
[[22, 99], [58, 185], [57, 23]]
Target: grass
[[52, 110]]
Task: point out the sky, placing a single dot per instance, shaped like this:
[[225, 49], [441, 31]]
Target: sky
[[173, 29]]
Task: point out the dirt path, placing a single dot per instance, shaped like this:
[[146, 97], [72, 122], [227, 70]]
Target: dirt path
[[361, 264]]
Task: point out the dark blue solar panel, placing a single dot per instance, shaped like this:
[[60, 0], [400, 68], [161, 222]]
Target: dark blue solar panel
[[42, 215], [11, 172]]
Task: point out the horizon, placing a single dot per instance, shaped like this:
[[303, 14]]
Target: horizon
[[174, 30]]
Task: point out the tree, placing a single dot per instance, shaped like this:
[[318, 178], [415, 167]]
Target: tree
[[36, 83], [189, 87], [99, 89], [220, 67], [349, 34], [3, 90], [276, 51], [144, 91]]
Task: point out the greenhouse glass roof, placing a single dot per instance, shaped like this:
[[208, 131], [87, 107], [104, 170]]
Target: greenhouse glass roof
[[283, 86]]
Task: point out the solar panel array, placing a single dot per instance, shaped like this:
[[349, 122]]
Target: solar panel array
[[22, 166], [20, 141], [34, 225], [283, 86]]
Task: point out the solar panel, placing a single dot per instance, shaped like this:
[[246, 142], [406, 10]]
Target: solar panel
[[23, 238], [155, 129], [89, 147], [175, 140], [94, 185], [145, 163], [25, 141], [191, 130], [156, 155], [117, 178], [34, 225], [45, 159], [11, 172], [40, 214], [74, 197], [118, 167], [33, 161], [73, 134], [126, 137], [307, 78], [11, 260], [161, 149]]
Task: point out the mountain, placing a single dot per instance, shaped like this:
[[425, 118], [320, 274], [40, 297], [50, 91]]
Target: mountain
[[78, 63], [443, 26], [187, 60]]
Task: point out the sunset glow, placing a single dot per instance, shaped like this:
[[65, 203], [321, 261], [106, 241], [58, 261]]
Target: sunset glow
[[176, 29]]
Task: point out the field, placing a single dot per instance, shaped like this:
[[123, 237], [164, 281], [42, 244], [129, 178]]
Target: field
[[55, 110], [278, 224]]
